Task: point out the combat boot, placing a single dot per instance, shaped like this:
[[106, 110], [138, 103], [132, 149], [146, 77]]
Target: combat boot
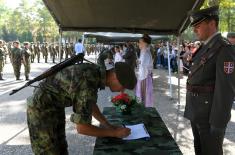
[[26, 78], [1, 77], [18, 78]]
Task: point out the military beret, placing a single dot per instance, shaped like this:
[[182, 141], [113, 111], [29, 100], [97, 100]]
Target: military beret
[[198, 16], [231, 35], [125, 75]]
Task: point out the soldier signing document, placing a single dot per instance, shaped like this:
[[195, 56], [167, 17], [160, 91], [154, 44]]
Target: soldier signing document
[[77, 86], [210, 84]]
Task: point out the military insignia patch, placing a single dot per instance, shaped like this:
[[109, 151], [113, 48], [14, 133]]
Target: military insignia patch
[[228, 67]]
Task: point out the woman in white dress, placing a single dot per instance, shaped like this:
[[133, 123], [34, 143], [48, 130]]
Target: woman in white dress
[[144, 87], [117, 56]]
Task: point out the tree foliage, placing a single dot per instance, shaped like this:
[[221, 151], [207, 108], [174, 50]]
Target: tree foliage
[[227, 17], [33, 22], [30, 22]]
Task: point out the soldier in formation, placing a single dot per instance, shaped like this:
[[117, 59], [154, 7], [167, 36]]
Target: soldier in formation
[[32, 54], [45, 51], [26, 53], [2, 55], [16, 58], [37, 51]]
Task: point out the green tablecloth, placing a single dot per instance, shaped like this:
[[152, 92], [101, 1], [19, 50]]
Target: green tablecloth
[[160, 143]]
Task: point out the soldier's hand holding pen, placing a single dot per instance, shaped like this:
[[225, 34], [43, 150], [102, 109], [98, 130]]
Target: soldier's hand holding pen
[[122, 132]]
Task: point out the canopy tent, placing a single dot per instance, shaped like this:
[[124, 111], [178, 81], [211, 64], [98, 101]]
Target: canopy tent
[[109, 37], [130, 16], [133, 16]]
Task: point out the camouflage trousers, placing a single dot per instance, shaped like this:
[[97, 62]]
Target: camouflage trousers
[[1, 65], [38, 56], [47, 131], [27, 68], [32, 57], [16, 67]]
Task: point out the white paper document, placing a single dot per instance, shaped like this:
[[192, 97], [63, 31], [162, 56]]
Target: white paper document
[[137, 131]]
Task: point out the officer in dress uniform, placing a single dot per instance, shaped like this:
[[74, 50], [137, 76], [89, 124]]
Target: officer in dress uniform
[[210, 84]]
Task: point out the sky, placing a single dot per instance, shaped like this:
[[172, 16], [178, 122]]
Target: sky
[[14, 3]]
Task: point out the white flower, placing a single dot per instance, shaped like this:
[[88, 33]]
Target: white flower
[[123, 107], [109, 98]]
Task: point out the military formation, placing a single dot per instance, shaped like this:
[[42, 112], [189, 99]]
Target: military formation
[[27, 53]]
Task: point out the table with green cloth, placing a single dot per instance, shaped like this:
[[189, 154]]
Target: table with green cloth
[[160, 142]]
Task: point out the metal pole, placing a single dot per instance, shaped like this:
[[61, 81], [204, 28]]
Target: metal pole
[[83, 40], [169, 68], [60, 42], [178, 60]]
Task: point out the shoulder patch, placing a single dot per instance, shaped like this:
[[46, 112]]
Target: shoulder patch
[[228, 67]]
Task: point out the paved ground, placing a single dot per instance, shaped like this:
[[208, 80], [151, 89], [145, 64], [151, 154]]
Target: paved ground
[[14, 138]]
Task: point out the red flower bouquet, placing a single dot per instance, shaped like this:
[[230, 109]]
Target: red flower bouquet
[[124, 103]]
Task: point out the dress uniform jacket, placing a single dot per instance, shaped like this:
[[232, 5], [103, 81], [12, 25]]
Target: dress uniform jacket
[[211, 83]]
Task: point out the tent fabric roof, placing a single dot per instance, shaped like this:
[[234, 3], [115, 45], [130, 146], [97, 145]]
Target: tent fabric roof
[[134, 16], [106, 37]]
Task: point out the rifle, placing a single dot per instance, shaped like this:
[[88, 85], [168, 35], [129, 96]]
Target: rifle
[[54, 69]]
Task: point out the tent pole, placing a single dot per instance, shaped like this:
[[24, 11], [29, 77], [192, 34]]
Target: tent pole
[[169, 69], [83, 40], [60, 42], [178, 60]]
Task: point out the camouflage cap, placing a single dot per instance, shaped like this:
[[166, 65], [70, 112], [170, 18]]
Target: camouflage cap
[[125, 75], [231, 35], [16, 42], [199, 16], [26, 43]]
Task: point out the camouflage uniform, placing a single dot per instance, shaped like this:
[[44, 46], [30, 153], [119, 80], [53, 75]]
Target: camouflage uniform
[[1, 61], [75, 86], [72, 50], [45, 51], [104, 55], [16, 57], [52, 52], [9, 48], [32, 55], [26, 60], [67, 51], [37, 51]]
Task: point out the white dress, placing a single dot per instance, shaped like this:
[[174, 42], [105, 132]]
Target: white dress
[[118, 57]]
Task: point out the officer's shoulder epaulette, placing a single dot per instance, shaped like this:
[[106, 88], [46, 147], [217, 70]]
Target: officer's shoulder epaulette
[[225, 42]]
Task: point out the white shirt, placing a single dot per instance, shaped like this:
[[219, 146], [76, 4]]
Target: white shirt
[[146, 64], [79, 48]]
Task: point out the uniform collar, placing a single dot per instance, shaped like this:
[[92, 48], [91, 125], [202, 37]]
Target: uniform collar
[[210, 38], [102, 77]]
